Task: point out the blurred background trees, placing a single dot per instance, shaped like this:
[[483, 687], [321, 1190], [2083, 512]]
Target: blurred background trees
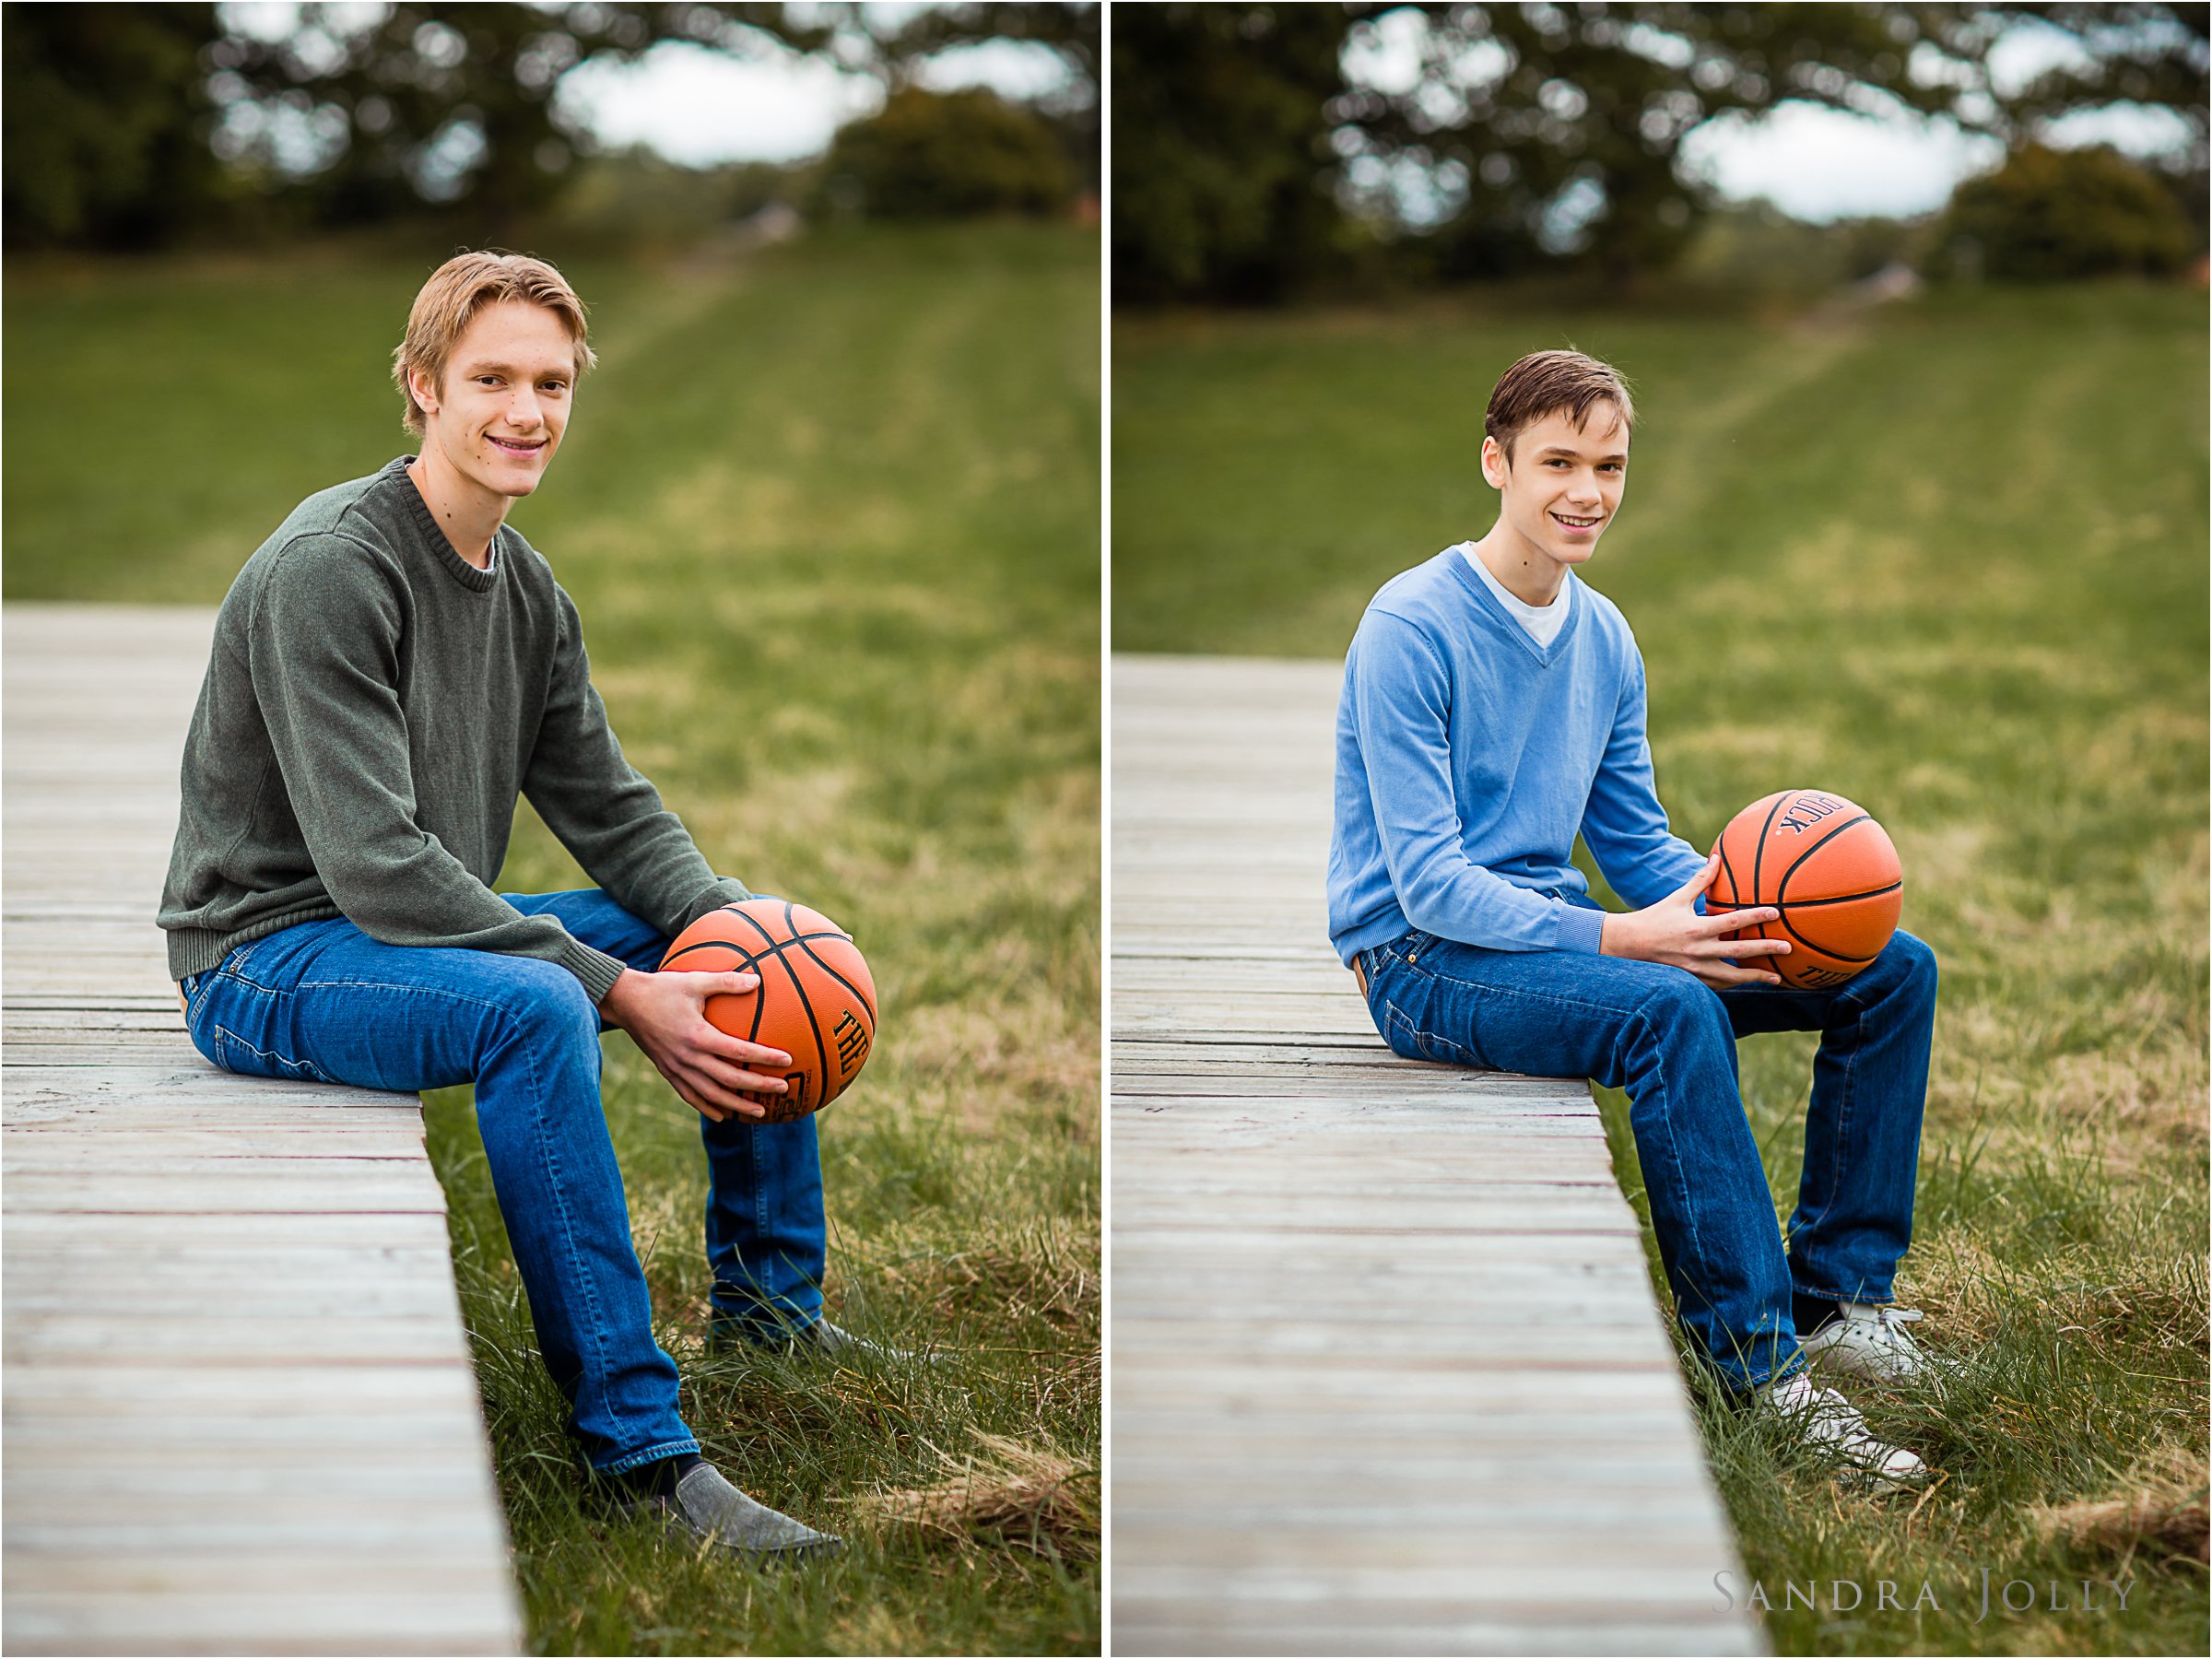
[[2048, 215], [104, 118], [1263, 147], [143, 125], [946, 155], [1221, 163]]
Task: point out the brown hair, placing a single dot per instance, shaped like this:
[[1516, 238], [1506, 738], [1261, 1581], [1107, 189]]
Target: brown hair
[[461, 286], [1550, 382]]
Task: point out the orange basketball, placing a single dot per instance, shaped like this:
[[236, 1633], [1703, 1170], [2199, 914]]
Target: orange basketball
[[816, 1002], [1830, 870]]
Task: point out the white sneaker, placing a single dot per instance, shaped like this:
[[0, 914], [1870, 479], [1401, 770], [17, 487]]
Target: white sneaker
[[1830, 1424], [1869, 1340]]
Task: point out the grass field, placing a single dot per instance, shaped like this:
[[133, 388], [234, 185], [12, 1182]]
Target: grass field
[[1948, 559], [831, 519]]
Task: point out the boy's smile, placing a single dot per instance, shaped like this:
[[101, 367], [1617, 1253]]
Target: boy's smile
[[1556, 497]]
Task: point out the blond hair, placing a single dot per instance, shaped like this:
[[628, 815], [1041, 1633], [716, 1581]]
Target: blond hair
[[1553, 382], [456, 291]]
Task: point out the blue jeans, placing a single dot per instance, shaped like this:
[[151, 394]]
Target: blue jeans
[[1669, 1039], [324, 1001]]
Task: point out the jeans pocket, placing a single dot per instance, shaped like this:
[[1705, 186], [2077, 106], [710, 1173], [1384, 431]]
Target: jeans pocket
[[230, 1018], [244, 1058], [1408, 1038]]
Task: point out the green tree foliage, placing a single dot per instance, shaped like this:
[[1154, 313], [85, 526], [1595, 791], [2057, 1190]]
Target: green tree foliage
[[103, 122], [437, 102], [1560, 126], [1071, 32], [117, 115], [1528, 136], [948, 155], [1220, 147], [2047, 215], [2147, 54]]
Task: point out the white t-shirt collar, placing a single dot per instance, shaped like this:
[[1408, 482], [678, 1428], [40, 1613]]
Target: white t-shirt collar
[[1542, 622]]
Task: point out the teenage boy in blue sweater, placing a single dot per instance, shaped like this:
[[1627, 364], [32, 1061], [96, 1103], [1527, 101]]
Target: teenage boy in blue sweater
[[1493, 707]]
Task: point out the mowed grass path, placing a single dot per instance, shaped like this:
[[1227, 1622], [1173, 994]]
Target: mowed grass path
[[831, 519], [1948, 559]]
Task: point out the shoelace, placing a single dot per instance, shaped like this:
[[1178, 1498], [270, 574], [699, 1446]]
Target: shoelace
[[1891, 1321], [1828, 1417]]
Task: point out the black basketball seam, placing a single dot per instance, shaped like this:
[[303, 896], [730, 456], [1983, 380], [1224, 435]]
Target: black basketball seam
[[866, 1001], [1759, 848], [790, 921], [812, 1023], [1845, 898], [1728, 870], [709, 945], [775, 948], [1824, 950], [752, 922], [748, 963], [1842, 957], [1782, 886]]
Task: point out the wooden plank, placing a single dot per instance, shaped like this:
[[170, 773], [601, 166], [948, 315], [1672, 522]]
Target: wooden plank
[[379, 1186], [272, 1232], [362, 1393], [240, 1413], [195, 1290], [382, 1618], [1387, 1373], [189, 1337]]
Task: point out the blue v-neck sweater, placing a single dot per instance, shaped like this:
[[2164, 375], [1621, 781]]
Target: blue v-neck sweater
[[1468, 757]]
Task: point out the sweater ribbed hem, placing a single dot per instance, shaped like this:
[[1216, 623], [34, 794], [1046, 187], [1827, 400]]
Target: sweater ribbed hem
[[199, 949], [1580, 928], [1354, 941], [595, 967]]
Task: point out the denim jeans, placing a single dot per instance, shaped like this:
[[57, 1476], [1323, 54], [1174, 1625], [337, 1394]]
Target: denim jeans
[[1669, 1039], [323, 1001]]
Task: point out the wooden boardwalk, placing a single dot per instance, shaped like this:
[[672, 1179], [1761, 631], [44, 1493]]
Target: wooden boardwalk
[[1387, 1374], [240, 1413]]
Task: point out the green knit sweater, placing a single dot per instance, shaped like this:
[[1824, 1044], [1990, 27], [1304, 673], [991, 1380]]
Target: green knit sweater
[[372, 708]]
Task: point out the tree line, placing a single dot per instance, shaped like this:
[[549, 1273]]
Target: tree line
[[133, 126], [1250, 159]]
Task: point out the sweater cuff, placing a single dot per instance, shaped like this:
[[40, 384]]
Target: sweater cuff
[[1580, 929], [595, 967]]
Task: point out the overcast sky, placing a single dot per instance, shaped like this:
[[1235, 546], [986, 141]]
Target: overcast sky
[[699, 108]]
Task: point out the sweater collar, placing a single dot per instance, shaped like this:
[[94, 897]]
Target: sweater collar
[[1486, 603], [432, 532]]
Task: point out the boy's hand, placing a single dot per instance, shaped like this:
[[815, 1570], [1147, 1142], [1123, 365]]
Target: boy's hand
[[1672, 932], [666, 1015]]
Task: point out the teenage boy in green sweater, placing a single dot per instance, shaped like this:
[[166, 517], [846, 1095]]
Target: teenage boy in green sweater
[[390, 669]]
